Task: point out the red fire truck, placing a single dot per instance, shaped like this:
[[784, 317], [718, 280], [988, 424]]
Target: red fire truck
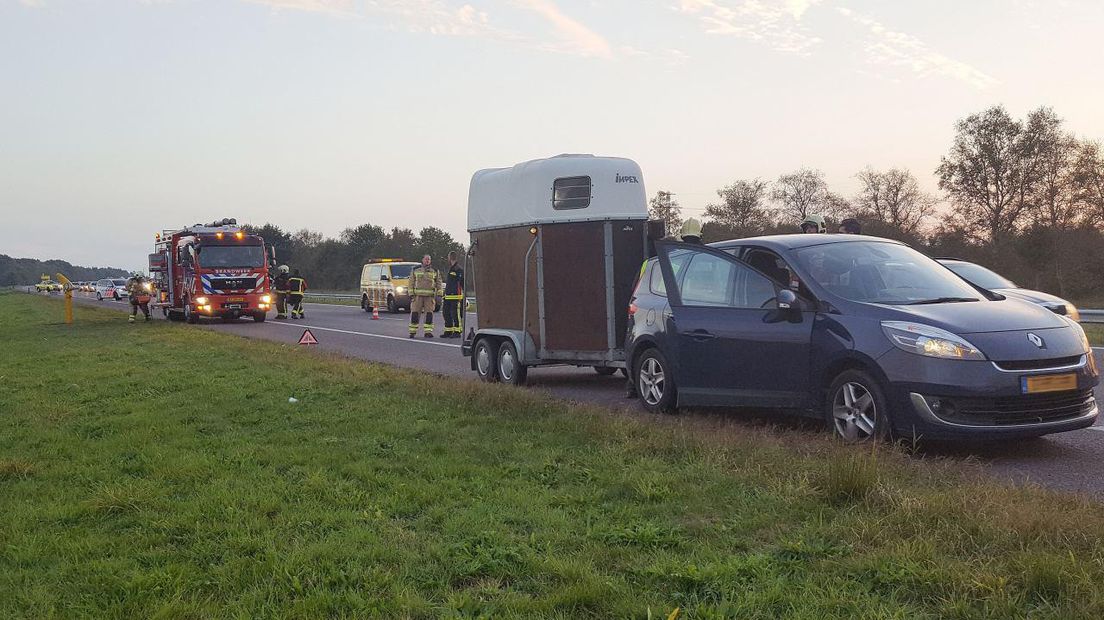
[[213, 270]]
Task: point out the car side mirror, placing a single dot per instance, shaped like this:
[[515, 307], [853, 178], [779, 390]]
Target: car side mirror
[[787, 300]]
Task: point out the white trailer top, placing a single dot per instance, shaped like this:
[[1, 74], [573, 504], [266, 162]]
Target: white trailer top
[[565, 188]]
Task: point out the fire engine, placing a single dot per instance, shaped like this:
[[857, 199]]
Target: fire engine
[[213, 270]]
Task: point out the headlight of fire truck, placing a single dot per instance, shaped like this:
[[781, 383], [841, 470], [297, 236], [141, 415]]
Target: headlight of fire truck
[[266, 299], [202, 301]]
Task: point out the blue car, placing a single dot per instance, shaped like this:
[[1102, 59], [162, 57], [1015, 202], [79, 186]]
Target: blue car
[[872, 336]]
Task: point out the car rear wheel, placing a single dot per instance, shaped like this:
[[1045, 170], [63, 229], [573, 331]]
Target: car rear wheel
[[856, 409], [391, 307], [654, 382], [486, 359], [510, 368], [364, 305]]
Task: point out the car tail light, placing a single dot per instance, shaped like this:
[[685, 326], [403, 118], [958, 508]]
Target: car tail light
[[632, 308]]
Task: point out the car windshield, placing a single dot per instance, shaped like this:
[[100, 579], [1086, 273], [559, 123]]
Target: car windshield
[[118, 282], [401, 271], [979, 275], [882, 273], [231, 256]]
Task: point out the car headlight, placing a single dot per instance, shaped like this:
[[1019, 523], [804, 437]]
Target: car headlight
[[400, 289], [929, 341], [201, 301], [266, 299]]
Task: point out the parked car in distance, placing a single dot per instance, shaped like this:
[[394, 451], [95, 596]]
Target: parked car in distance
[[988, 279], [111, 288], [868, 334]]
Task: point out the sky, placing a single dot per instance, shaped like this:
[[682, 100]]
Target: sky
[[120, 118]]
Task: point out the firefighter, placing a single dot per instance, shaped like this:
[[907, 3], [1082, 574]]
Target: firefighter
[[425, 283], [691, 231], [297, 286], [280, 285], [814, 224], [139, 290], [453, 306]]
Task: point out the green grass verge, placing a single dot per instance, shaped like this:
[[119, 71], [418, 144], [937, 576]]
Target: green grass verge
[[159, 471], [1095, 332]]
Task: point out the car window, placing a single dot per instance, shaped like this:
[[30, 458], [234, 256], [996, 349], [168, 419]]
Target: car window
[[374, 272], [400, 271], [980, 275], [709, 281], [754, 291], [655, 281], [119, 282]]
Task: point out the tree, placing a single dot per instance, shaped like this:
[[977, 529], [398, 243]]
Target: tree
[[993, 167], [1090, 180], [362, 241], [893, 197], [742, 210], [437, 243], [803, 193], [663, 206], [274, 237]]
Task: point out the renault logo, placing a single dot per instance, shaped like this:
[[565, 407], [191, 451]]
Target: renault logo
[[1036, 340]]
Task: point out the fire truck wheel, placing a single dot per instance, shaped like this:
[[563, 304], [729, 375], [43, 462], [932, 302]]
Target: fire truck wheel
[[189, 316], [260, 317]]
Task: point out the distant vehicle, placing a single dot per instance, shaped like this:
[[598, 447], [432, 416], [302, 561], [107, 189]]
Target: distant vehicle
[[385, 283], [213, 270], [111, 288], [867, 334], [47, 286], [986, 278]]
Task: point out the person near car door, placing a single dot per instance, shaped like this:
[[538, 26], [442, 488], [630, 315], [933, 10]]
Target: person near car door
[[452, 308], [425, 284], [139, 289], [297, 287], [281, 286]]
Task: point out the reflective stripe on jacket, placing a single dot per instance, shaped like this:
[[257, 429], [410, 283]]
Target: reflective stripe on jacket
[[297, 286], [425, 282]]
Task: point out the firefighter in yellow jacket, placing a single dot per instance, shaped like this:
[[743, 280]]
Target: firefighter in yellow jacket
[[425, 284]]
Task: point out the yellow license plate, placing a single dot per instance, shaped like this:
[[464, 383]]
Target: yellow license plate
[[1049, 383], [231, 299]]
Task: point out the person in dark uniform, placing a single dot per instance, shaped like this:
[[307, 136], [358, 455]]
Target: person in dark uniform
[[297, 286], [453, 306], [280, 285]]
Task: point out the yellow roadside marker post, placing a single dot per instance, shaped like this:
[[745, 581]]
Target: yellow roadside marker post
[[68, 286]]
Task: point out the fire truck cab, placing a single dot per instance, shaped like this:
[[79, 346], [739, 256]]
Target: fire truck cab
[[213, 270]]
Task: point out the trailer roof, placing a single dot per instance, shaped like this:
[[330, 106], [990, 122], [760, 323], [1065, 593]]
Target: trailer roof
[[565, 188]]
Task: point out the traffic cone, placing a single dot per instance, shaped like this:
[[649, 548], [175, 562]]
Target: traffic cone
[[375, 313]]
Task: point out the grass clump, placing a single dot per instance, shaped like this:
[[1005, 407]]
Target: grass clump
[[168, 476]]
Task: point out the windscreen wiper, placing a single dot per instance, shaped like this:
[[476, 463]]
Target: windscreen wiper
[[941, 300]]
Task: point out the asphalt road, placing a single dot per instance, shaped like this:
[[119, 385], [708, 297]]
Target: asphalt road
[[1066, 461]]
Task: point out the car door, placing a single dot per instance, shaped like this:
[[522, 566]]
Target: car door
[[732, 344]]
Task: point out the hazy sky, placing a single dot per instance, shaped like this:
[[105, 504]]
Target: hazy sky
[[120, 118]]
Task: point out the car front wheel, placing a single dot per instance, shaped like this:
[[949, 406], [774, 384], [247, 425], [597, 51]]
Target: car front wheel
[[654, 382], [856, 408]]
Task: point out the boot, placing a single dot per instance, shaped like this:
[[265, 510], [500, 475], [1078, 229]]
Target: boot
[[131, 319], [429, 334]]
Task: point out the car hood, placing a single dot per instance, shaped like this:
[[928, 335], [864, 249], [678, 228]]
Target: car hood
[[1003, 330], [1037, 297], [980, 316]]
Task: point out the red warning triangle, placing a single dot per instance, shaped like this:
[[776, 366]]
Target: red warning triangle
[[307, 338]]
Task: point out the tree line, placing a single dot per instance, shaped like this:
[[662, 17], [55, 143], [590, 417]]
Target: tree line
[[23, 271], [335, 263], [1024, 197]]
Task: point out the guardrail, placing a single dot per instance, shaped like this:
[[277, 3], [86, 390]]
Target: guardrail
[[1090, 315]]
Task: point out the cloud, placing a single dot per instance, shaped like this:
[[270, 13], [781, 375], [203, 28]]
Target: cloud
[[333, 7], [773, 23], [887, 47], [35, 4], [574, 37]]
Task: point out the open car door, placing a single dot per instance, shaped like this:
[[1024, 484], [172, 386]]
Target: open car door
[[733, 342]]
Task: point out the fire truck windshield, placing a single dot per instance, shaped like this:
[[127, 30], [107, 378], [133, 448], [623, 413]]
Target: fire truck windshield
[[231, 256]]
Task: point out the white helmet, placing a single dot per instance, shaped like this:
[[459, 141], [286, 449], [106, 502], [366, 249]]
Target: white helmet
[[284, 269]]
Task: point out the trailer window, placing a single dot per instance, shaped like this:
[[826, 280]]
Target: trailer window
[[571, 193]]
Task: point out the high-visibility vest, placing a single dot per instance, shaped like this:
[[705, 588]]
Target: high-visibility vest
[[424, 282], [297, 285]]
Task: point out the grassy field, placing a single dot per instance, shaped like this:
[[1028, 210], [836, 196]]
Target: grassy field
[[159, 471]]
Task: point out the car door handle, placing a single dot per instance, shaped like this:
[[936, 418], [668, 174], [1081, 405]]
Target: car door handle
[[701, 334]]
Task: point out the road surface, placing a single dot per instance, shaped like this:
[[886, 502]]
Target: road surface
[[1066, 461]]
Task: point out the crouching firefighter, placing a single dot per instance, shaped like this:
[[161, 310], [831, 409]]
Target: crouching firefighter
[[139, 289], [453, 306], [426, 284], [297, 287], [280, 285]]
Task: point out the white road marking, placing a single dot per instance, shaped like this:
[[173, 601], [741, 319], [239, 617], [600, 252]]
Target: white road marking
[[1095, 428], [418, 340]]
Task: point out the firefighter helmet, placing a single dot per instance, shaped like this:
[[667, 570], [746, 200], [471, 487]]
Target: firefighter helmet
[[814, 220], [284, 269], [691, 228]]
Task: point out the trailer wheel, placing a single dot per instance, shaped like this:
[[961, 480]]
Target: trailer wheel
[[510, 368], [485, 356], [605, 371]]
